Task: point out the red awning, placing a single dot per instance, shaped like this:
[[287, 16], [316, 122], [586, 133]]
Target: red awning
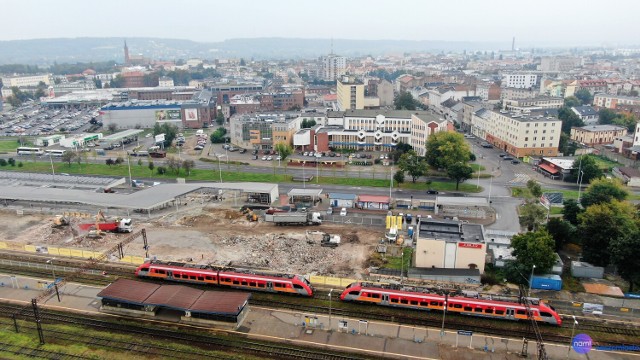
[[548, 168]]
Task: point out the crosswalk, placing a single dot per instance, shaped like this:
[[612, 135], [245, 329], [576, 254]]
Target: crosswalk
[[520, 179]]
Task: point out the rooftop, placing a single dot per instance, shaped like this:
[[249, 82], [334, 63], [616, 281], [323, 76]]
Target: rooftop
[[598, 128], [450, 230], [528, 115]]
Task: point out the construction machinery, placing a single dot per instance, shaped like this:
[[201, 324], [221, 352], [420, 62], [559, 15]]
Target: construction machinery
[[325, 239], [102, 224], [60, 221]]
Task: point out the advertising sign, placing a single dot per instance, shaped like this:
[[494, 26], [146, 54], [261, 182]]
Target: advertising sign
[[581, 343], [191, 114], [168, 115], [159, 138], [470, 245]]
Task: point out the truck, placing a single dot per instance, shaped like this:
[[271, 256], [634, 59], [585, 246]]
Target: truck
[[326, 240], [294, 218], [117, 225]]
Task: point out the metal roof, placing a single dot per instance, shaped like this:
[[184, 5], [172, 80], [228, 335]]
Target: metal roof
[[121, 135], [305, 192], [178, 297], [342, 196], [374, 198]]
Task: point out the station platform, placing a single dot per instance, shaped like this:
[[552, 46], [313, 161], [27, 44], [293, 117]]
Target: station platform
[[373, 338]]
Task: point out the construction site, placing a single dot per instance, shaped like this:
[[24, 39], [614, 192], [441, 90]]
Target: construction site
[[210, 233]]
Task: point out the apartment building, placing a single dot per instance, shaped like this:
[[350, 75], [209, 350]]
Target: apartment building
[[614, 101], [263, 131], [559, 64], [350, 93], [25, 81], [520, 81], [515, 93], [597, 134], [519, 133], [536, 103], [333, 67]]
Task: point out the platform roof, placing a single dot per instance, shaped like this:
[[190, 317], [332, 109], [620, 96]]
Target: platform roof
[[121, 135], [374, 198], [305, 192], [177, 297]]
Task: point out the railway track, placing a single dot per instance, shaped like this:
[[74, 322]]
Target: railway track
[[32, 352], [225, 342]]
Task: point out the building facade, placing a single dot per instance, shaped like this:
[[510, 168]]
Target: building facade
[[350, 93], [614, 101], [333, 67], [520, 81], [597, 134], [24, 81]]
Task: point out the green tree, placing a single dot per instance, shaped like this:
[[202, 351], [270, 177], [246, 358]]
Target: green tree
[[532, 215], [569, 119], [572, 101], [170, 132], [307, 124], [459, 172], [98, 83], [284, 150], [150, 80], [602, 223], [603, 191], [161, 170], [606, 116], [68, 157], [534, 248], [218, 136], [117, 82], [400, 149], [626, 120], [561, 230], [571, 210], [112, 127], [140, 163], [11, 162], [404, 101], [3, 162], [589, 168], [446, 148], [220, 118], [411, 163], [151, 166], [109, 162], [119, 160], [534, 189], [585, 96], [625, 254], [187, 165], [398, 177]]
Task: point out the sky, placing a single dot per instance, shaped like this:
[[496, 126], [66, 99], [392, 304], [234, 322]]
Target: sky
[[533, 23]]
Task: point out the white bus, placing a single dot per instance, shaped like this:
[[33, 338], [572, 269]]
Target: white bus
[[29, 150], [57, 153]]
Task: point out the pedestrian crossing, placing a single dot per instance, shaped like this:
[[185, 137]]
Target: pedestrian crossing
[[520, 179]]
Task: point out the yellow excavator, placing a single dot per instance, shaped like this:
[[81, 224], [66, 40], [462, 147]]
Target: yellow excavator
[[60, 221]]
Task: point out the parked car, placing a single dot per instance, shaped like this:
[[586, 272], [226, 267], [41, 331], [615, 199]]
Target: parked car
[[486, 145], [507, 158], [515, 162], [432, 192], [330, 211], [269, 158], [242, 151], [264, 158], [343, 212]]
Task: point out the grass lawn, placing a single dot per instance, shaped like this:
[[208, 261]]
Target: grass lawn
[[556, 210], [476, 167], [394, 262], [604, 163], [8, 146], [567, 194]]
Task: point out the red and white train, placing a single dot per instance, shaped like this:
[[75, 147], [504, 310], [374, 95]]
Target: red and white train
[[423, 299], [222, 276]]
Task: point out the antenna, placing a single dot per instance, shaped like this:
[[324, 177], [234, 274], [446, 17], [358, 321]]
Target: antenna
[[332, 45], [513, 44]]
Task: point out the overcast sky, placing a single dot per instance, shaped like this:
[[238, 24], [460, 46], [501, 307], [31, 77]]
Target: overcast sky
[[539, 23]]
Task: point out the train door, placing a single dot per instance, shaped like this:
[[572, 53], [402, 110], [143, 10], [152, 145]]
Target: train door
[[385, 299], [510, 314], [169, 274], [269, 286]]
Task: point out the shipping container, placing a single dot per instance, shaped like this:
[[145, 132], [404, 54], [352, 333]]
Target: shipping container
[[546, 282]]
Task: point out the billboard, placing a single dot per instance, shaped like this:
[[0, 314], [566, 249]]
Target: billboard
[[168, 115], [191, 114], [159, 138]]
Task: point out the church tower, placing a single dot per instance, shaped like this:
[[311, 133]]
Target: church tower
[[126, 53]]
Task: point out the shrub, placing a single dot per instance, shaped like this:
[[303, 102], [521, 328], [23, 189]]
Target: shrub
[[3, 162], [161, 170]]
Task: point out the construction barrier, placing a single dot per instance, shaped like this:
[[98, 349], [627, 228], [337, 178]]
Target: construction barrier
[[64, 252], [330, 281], [3, 245], [30, 248], [54, 251], [75, 253]]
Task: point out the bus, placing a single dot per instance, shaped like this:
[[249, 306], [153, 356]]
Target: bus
[[29, 150], [57, 153]]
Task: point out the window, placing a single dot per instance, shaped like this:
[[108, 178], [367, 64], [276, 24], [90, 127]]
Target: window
[[261, 285], [375, 296], [521, 312], [543, 138], [424, 303], [435, 303], [545, 314], [244, 283], [395, 301], [499, 312], [297, 286], [192, 277], [236, 282], [414, 302], [457, 306], [468, 308], [160, 271], [210, 278], [404, 301], [200, 278], [526, 139], [477, 310], [488, 311]]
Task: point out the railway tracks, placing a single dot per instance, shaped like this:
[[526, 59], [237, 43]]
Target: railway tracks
[[200, 341]]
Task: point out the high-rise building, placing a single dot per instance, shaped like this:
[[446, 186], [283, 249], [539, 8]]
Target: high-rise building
[[126, 53], [333, 66], [350, 93]]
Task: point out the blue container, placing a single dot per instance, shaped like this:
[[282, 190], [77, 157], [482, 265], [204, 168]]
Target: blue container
[[547, 282]]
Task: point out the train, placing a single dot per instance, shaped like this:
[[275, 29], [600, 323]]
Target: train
[[245, 279], [464, 303]]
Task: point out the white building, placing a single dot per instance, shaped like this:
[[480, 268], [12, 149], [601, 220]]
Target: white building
[[23, 81], [333, 66], [165, 81], [519, 81]]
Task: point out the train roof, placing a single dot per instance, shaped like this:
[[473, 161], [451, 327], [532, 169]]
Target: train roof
[[223, 269]]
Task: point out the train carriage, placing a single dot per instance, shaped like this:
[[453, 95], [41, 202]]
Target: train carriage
[[422, 299]]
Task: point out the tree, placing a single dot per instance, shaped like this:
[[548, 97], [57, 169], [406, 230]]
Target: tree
[[398, 177], [161, 170], [626, 120], [170, 131], [119, 160], [218, 136], [11, 162], [572, 101], [571, 210], [242, 62], [68, 157], [534, 248], [410, 162], [566, 146], [585, 96], [446, 148], [151, 166], [561, 230], [109, 162], [588, 167], [173, 165], [307, 124], [625, 254], [112, 127], [117, 82], [98, 83], [220, 117], [532, 215], [606, 116], [284, 150], [459, 172], [400, 149], [534, 188], [187, 165], [3, 162], [602, 223], [569, 119], [404, 101], [603, 191]]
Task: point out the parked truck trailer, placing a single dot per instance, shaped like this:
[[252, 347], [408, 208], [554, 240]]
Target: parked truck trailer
[[294, 218]]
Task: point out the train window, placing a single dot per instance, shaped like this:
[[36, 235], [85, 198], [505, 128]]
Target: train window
[[354, 292], [277, 285], [192, 277], [296, 286], [413, 302], [477, 310], [435, 303], [208, 278], [499, 312], [395, 301], [457, 306], [252, 284], [488, 311], [424, 303], [201, 278], [404, 301], [521, 312], [261, 285], [160, 271], [450, 305], [468, 308], [545, 314], [236, 282], [244, 283], [375, 296]]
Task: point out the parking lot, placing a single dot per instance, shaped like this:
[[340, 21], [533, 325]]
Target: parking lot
[[35, 120]]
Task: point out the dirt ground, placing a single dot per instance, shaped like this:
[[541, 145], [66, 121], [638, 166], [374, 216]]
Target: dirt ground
[[213, 235]]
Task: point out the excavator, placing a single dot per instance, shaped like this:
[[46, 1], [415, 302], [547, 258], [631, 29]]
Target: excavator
[[60, 221], [97, 233]]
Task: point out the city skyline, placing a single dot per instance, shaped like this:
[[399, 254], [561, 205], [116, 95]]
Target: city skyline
[[546, 23]]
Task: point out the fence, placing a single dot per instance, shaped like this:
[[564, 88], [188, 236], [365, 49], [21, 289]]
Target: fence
[[330, 281], [66, 252]]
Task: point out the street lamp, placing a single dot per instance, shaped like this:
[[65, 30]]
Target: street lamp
[[580, 176], [330, 292], [53, 270], [444, 314], [531, 280], [573, 330], [390, 183], [304, 179], [129, 164], [219, 166]]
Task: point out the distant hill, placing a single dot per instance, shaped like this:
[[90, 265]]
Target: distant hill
[[64, 50]]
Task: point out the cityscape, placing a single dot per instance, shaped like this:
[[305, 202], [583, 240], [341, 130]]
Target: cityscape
[[395, 181]]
